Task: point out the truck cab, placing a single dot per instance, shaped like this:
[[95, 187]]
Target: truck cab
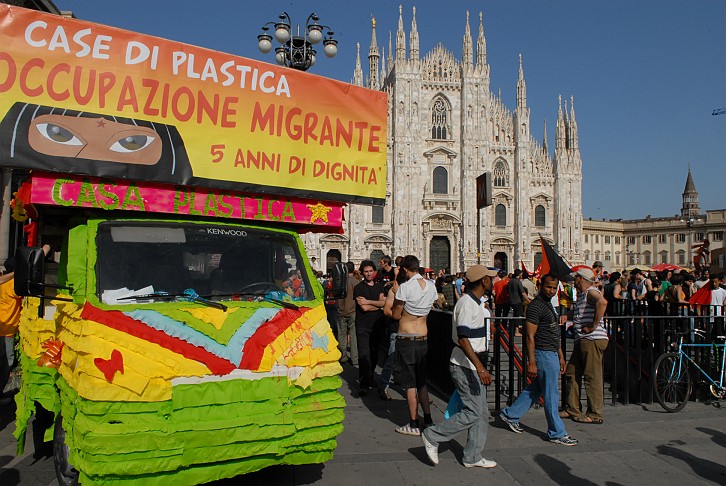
[[194, 349]]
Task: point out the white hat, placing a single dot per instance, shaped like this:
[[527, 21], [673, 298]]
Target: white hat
[[585, 272]]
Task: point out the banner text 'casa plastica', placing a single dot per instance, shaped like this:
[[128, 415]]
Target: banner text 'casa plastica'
[[78, 97]]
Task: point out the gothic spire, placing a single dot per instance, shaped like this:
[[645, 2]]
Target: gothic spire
[[573, 124], [544, 139], [400, 38], [373, 58], [521, 87], [467, 51], [481, 44], [560, 128], [358, 73], [384, 72], [413, 37]]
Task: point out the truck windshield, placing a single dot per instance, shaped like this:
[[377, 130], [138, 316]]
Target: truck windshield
[[217, 262]]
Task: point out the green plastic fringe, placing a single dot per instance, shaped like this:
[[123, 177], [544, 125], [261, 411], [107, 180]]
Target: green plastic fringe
[[205, 432], [37, 385]]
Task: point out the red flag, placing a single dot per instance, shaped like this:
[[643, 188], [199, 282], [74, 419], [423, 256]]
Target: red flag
[[524, 269], [553, 263], [702, 295]]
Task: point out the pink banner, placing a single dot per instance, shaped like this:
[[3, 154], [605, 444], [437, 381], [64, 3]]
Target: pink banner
[[90, 192]]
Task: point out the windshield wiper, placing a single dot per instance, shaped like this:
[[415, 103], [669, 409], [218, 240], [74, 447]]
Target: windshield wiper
[[281, 303], [188, 294]]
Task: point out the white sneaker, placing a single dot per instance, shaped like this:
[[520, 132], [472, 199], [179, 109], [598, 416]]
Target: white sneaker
[[486, 463], [565, 440], [408, 430], [431, 450]]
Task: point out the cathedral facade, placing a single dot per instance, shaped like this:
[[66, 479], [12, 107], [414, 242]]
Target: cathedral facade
[[445, 128]]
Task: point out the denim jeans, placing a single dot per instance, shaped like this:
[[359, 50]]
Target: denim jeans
[[387, 371], [546, 386], [473, 417]]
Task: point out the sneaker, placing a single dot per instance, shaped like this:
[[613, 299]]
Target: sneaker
[[432, 451], [564, 440], [486, 463], [516, 428], [408, 430]]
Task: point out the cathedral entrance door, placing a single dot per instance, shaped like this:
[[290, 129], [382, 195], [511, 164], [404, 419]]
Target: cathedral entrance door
[[500, 261], [331, 259], [440, 253]]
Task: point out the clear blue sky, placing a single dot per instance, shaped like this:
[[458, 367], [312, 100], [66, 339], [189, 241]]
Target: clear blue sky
[[645, 74]]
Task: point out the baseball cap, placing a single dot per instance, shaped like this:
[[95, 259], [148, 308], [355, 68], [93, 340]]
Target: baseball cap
[[478, 272], [584, 272]]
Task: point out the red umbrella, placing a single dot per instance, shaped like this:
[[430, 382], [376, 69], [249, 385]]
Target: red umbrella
[[663, 267]]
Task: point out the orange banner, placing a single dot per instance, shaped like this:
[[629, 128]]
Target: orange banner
[[78, 97]]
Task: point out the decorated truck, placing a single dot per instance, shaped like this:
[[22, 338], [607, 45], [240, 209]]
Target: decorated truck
[[172, 323]]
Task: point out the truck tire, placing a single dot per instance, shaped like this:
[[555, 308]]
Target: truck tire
[[65, 472]]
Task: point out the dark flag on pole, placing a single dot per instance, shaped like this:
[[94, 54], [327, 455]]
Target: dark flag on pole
[[553, 263]]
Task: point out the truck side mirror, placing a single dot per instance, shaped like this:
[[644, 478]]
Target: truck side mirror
[[29, 271], [339, 273]]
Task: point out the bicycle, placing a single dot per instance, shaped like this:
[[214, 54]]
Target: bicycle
[[672, 379]]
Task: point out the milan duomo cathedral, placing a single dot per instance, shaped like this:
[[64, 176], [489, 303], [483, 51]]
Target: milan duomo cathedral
[[445, 128]]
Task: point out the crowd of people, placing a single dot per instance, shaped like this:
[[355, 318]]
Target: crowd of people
[[386, 307]]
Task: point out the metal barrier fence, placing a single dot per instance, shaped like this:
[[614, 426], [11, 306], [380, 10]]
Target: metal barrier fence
[[637, 338]]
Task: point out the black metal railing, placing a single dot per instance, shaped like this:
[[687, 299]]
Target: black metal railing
[[638, 332]]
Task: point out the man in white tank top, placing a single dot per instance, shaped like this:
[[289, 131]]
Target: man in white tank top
[[413, 303], [591, 339]]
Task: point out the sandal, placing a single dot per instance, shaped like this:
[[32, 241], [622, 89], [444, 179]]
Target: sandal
[[587, 420], [565, 414]]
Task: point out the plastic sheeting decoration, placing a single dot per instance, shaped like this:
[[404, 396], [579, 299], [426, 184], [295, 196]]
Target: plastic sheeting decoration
[[172, 393]]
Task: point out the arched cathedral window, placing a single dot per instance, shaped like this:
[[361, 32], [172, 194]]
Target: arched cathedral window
[[539, 216], [377, 214], [500, 174], [440, 120], [441, 181], [500, 215]]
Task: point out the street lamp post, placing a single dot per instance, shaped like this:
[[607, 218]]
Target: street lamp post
[[296, 51]]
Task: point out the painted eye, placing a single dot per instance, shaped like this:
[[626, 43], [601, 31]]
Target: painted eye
[[132, 143], [58, 134]]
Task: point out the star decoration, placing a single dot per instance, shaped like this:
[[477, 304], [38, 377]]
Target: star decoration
[[102, 123], [319, 211], [320, 341]]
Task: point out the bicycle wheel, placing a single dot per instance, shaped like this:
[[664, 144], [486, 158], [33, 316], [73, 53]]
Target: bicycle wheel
[[672, 382]]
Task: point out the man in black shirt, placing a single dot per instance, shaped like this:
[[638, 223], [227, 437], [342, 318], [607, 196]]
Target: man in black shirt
[[517, 294], [369, 300], [386, 274], [544, 366]]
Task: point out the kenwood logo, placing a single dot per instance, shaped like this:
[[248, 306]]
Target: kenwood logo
[[226, 232]]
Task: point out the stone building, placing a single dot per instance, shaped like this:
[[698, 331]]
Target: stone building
[[653, 240], [445, 128]]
